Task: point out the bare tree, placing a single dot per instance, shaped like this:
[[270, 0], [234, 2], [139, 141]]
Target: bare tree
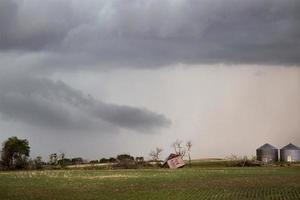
[[189, 146], [233, 157], [155, 154], [179, 148]]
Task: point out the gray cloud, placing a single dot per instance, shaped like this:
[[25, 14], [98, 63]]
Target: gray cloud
[[107, 34], [34, 26], [57, 36], [55, 105]]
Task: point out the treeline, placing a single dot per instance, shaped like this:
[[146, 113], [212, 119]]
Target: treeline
[[119, 158], [15, 155]]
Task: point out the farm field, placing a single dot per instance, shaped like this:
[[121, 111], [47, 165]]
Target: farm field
[[188, 183]]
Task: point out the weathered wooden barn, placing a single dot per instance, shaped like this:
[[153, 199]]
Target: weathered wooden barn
[[173, 161]]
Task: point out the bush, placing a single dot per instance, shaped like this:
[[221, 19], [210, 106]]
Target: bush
[[109, 160], [126, 164], [104, 160], [38, 163], [112, 160], [139, 159], [123, 157], [64, 162], [77, 161]]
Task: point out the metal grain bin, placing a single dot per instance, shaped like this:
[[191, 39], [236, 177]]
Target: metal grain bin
[[290, 153], [267, 153]]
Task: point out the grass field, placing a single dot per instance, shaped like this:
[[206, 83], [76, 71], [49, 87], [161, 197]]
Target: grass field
[[196, 183]]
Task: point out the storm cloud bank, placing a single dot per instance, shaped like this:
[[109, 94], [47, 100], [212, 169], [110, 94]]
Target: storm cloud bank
[[55, 105], [76, 68], [114, 33]]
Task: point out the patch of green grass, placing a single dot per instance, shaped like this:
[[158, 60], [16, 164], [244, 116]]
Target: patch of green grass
[[188, 183]]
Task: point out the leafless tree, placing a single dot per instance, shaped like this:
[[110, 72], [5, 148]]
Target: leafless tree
[[233, 157], [189, 147], [179, 148], [155, 154]]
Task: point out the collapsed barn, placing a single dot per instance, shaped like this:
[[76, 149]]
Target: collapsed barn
[[173, 161]]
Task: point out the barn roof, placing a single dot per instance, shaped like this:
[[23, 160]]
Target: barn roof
[[290, 146], [266, 146], [171, 156]]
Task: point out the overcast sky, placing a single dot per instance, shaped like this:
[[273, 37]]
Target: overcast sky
[[97, 78]]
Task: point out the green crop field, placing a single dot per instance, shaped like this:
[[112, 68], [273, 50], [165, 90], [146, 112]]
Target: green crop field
[[189, 183]]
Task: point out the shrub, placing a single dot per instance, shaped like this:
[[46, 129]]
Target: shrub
[[123, 157]]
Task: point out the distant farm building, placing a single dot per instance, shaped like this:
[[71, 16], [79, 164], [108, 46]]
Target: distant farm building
[[267, 153], [290, 153], [173, 161]]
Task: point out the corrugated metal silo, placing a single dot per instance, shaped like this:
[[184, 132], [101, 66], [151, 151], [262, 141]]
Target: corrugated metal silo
[[267, 153], [290, 153]]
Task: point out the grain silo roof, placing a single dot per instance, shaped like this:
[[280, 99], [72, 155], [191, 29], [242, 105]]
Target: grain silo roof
[[290, 146], [266, 146]]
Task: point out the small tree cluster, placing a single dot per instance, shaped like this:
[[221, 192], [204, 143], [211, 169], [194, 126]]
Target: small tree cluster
[[59, 159], [77, 161], [125, 157], [108, 160]]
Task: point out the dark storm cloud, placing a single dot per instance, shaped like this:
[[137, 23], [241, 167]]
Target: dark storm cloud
[[45, 103], [32, 25], [153, 33]]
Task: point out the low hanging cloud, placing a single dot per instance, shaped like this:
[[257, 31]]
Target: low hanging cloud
[[53, 104], [116, 33]]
